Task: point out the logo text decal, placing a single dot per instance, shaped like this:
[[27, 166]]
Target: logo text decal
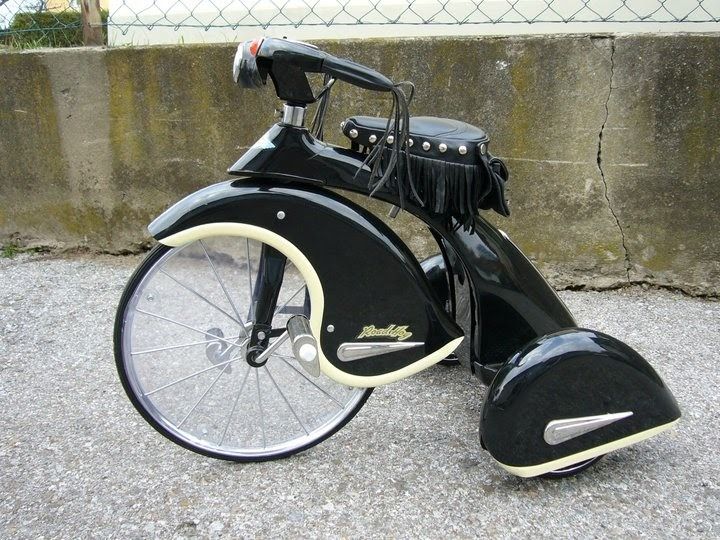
[[391, 331]]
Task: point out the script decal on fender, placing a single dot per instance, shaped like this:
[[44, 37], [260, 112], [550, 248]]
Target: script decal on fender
[[391, 331]]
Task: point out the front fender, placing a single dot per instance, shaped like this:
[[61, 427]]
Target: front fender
[[358, 272]]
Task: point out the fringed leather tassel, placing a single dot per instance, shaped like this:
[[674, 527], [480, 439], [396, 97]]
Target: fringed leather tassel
[[457, 190]]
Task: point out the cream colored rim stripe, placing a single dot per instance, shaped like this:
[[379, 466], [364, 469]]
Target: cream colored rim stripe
[[543, 468], [317, 299]]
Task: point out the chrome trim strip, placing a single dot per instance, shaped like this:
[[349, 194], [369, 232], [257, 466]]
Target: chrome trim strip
[[558, 431], [347, 352]]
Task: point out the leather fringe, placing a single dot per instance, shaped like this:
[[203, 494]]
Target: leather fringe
[[456, 190]]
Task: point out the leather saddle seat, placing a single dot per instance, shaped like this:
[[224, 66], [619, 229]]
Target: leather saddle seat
[[452, 173], [430, 137]]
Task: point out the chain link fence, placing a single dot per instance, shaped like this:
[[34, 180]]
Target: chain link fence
[[59, 22], [42, 23]]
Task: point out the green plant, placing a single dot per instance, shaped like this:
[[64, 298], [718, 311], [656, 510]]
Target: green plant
[[47, 29], [9, 251]]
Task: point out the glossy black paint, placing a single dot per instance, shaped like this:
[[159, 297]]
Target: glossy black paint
[[268, 283], [292, 154], [436, 274], [287, 62], [569, 374], [512, 303], [368, 275]]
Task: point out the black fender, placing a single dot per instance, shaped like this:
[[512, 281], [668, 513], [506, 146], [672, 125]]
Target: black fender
[[509, 302], [549, 406], [437, 275], [371, 287]]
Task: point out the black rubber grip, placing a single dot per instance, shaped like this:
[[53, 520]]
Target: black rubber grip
[[278, 55], [356, 74]]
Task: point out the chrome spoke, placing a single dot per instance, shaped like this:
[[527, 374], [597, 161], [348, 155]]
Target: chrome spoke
[[205, 393], [250, 283], [286, 401], [262, 414], [197, 387], [308, 379], [170, 347], [214, 366], [201, 297], [237, 399], [173, 321], [282, 338], [302, 287], [222, 286]]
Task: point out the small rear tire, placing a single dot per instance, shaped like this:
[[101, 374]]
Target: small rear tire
[[572, 470]]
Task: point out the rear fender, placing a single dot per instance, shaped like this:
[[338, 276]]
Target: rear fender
[[571, 396], [364, 283]]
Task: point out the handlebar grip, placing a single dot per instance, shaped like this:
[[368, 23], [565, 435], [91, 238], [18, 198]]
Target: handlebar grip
[[356, 74], [288, 62]]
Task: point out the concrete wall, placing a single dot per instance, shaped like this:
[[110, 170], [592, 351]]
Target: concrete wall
[[613, 143]]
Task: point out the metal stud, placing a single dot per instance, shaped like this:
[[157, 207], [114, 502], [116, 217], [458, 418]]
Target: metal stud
[[330, 328], [442, 147], [426, 146], [281, 215], [462, 150], [372, 138], [410, 142], [353, 133], [483, 149], [390, 139], [342, 124]]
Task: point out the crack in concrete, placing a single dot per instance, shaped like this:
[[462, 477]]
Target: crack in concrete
[[628, 264]]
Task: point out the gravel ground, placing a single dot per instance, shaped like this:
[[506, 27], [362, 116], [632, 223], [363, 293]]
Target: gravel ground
[[77, 461]]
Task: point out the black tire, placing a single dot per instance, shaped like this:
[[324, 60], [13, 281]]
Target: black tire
[[450, 361], [129, 379], [572, 470]]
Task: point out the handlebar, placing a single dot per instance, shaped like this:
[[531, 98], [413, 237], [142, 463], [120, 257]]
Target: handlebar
[[287, 62]]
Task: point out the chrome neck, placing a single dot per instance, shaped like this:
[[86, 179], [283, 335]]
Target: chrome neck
[[293, 115]]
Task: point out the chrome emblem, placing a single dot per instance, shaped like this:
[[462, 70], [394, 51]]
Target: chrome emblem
[[347, 352], [558, 431]]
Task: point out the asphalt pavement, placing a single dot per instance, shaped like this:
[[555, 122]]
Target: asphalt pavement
[[77, 461]]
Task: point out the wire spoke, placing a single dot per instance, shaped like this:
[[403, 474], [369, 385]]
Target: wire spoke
[[170, 347], [275, 345], [308, 379], [302, 287], [232, 412], [214, 366], [222, 286], [286, 401], [205, 393], [173, 321], [193, 291], [262, 413]]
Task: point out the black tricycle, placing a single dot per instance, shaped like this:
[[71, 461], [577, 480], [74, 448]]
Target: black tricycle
[[272, 305]]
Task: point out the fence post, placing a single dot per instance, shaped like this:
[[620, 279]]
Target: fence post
[[92, 23]]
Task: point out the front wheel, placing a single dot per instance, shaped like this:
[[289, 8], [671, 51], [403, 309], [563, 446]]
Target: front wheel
[[181, 336]]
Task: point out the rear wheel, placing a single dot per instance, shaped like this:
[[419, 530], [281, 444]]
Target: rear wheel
[[572, 470], [181, 337]]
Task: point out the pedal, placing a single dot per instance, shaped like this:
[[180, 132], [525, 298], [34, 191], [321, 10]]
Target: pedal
[[304, 344]]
